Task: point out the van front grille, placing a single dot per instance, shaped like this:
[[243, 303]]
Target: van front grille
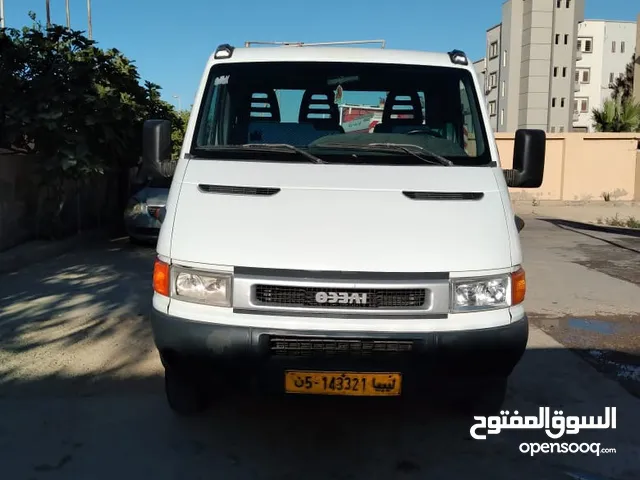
[[326, 347], [318, 297]]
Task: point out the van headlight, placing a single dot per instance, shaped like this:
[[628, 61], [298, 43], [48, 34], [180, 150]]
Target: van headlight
[[480, 293], [211, 288]]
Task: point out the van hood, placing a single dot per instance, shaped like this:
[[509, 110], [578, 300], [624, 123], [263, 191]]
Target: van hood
[[340, 217]]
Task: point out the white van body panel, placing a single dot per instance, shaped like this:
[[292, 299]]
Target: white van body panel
[[341, 218]]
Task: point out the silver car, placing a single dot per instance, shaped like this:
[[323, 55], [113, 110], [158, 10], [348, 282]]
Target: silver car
[[140, 215]]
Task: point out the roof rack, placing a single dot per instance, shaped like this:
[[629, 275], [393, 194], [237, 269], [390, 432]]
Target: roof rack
[[382, 43]]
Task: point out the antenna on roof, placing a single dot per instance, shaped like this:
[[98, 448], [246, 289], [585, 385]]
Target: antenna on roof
[[382, 43]]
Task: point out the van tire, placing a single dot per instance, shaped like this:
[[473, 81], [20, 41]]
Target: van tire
[[185, 394]]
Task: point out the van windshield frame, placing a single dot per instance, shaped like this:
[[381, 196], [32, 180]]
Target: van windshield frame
[[435, 108]]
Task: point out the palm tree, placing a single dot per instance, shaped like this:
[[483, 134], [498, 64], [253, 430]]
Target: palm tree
[[617, 116], [623, 85]]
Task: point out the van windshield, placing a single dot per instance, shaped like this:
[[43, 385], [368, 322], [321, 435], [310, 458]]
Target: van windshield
[[339, 111]]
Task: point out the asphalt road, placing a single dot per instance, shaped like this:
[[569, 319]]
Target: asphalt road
[[81, 391]]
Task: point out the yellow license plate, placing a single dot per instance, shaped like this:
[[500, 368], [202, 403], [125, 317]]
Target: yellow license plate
[[343, 383]]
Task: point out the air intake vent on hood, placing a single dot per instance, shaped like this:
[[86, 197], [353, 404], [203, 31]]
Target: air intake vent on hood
[[234, 190], [444, 195]]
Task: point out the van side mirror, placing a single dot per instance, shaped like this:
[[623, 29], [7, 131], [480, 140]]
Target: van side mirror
[[156, 144], [528, 159]]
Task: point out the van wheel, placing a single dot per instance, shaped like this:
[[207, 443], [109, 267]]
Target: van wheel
[[185, 394], [485, 398]]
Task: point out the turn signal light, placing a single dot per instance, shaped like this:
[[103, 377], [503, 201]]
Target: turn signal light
[[518, 287], [161, 277]]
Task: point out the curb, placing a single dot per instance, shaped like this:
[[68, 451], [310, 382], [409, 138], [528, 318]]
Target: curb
[[632, 232], [30, 253]]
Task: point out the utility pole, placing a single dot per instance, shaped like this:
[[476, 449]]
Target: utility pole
[[48, 13], [68, 15], [89, 17], [1, 13]]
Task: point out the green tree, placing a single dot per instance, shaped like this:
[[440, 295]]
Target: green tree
[[617, 116], [78, 108], [178, 130]]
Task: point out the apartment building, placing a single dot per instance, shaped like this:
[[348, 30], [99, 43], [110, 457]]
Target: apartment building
[[530, 65], [636, 74], [480, 67], [604, 50]]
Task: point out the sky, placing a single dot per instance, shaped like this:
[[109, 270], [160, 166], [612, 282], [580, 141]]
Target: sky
[[170, 41]]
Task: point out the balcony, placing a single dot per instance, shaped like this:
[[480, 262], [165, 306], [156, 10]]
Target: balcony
[[576, 115], [576, 86], [578, 55]]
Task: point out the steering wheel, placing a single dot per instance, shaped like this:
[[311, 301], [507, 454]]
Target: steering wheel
[[426, 131]]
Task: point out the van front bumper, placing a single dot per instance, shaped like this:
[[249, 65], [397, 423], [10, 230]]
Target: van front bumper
[[468, 354]]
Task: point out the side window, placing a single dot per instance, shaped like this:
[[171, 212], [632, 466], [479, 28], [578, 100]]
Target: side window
[[207, 134], [473, 145]]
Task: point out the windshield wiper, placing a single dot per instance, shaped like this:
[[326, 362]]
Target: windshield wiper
[[266, 147], [411, 149]]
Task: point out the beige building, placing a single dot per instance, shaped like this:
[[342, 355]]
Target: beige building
[[530, 65], [604, 50], [636, 75]]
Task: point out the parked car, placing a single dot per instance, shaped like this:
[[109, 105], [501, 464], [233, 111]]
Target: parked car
[[339, 263], [141, 214]]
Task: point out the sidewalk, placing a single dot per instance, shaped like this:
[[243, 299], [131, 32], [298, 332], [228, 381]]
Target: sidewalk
[[593, 213]]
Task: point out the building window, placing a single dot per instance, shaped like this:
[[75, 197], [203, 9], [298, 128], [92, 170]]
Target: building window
[[577, 76], [584, 105], [502, 88], [564, 71], [568, 3], [561, 129], [555, 71], [553, 129], [557, 38], [611, 77], [493, 50], [613, 47], [502, 116], [553, 102], [504, 58], [492, 108], [585, 76], [566, 39], [562, 102], [585, 44], [622, 47], [493, 79], [575, 106], [558, 3]]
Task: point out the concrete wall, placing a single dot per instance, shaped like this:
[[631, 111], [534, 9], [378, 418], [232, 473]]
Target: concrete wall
[[87, 205], [581, 166]]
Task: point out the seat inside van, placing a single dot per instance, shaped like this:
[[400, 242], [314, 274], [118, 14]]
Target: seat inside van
[[318, 117]]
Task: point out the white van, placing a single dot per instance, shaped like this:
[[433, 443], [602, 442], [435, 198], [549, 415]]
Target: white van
[[319, 260]]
